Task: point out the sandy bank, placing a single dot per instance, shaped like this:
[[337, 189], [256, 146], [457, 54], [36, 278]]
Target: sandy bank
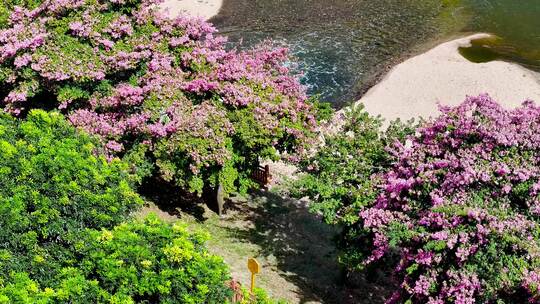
[[201, 8], [414, 87]]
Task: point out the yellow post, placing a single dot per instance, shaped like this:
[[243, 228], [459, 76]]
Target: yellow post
[[252, 282], [254, 268]]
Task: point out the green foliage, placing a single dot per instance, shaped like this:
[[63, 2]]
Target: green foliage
[[138, 262], [154, 260], [64, 236], [7, 6], [259, 296], [340, 177], [53, 183], [324, 110], [52, 187]]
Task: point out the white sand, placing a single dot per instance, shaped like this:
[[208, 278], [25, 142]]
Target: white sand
[[414, 87], [200, 8]]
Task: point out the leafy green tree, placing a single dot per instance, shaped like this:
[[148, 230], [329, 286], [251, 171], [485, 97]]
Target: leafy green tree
[[166, 89]]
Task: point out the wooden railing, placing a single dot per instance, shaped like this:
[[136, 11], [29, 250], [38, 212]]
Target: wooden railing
[[262, 175]]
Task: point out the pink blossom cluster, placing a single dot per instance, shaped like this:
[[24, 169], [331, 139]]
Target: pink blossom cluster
[[141, 77], [460, 206]]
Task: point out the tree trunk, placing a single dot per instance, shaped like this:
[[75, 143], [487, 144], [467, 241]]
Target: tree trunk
[[220, 199], [214, 198]]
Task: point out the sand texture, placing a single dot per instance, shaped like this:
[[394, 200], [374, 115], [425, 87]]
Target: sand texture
[[414, 87], [200, 8]]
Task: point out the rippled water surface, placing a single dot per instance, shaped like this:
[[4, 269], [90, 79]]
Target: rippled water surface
[[343, 46]]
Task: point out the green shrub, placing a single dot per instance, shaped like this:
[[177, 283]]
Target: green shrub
[[155, 261], [52, 187], [340, 177], [53, 183], [261, 297], [64, 238], [138, 262]]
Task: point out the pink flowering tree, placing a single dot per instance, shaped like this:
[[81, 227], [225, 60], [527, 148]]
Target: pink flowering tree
[[147, 84], [457, 214]]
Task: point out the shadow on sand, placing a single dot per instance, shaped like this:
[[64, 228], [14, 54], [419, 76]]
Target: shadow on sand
[[172, 199], [304, 248], [299, 245]]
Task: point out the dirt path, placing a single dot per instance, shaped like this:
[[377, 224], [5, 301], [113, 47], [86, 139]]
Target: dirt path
[[296, 250]]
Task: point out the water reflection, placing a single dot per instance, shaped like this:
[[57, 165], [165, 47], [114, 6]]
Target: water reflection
[[517, 26]]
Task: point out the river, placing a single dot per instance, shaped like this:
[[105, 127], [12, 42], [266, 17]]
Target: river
[[342, 47]]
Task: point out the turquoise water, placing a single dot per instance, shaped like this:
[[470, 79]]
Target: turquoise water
[[342, 47]]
